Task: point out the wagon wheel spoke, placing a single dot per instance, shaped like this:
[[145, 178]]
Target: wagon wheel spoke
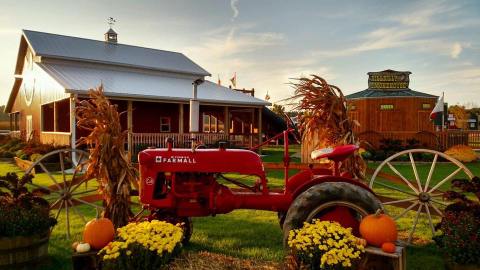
[[78, 184], [400, 201], [79, 165], [53, 205], [427, 209], [88, 203], [46, 188], [436, 209], [84, 192], [402, 177], [78, 213], [396, 189], [59, 209], [430, 173], [50, 175], [445, 179], [67, 219], [415, 223], [414, 167], [62, 166], [439, 202], [406, 210]]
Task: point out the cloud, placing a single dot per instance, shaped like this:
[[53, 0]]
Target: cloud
[[421, 29], [231, 42], [233, 5], [456, 50]]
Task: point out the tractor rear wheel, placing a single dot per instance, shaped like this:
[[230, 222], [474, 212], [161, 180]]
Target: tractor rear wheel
[[330, 201]]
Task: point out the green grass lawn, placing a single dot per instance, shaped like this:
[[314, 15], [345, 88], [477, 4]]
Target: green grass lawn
[[243, 233]]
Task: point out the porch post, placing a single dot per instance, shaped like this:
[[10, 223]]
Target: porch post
[[226, 121], [73, 122], [55, 116], [260, 128], [130, 127], [180, 119], [252, 120]]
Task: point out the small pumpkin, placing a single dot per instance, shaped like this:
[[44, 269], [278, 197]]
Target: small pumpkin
[[83, 247], [388, 247], [378, 229], [98, 232], [74, 245]]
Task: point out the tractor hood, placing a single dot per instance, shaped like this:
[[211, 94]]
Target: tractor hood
[[203, 160]]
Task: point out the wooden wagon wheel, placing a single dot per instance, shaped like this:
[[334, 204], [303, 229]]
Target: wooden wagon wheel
[[64, 182], [415, 193]]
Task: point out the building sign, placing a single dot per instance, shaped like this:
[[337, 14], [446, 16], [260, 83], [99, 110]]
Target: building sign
[[388, 79]]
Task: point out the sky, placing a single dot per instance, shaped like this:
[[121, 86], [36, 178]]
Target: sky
[[270, 43]]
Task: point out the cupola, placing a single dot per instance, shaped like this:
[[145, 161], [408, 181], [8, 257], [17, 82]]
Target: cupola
[[111, 35]]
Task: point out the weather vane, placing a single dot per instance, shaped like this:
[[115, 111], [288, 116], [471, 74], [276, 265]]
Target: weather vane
[[111, 21]]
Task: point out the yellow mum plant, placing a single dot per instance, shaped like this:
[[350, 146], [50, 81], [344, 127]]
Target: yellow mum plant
[[144, 245], [462, 152], [325, 245]]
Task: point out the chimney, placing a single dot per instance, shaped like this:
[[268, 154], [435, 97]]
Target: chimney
[[111, 36]]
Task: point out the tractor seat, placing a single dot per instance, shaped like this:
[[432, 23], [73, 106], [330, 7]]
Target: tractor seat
[[336, 154]]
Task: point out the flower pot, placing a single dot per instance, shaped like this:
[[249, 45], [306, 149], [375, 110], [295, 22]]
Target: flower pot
[[21, 250]]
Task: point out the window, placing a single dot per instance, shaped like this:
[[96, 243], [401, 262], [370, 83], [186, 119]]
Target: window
[[386, 107], [48, 117], [15, 121], [426, 106], [212, 124], [206, 123], [164, 124]]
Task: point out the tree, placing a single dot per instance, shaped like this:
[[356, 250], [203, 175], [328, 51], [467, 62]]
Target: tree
[[279, 110], [108, 161], [461, 116]]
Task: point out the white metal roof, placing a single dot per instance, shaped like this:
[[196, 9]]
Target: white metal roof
[[88, 50], [142, 85]]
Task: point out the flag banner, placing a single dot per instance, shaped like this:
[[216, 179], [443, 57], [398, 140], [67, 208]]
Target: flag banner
[[234, 80], [437, 110]]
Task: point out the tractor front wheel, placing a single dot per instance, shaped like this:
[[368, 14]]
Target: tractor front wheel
[[335, 201]]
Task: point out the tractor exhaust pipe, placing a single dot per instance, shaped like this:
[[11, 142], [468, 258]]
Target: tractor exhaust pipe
[[195, 108]]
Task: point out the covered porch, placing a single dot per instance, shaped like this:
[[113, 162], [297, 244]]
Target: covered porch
[[150, 123]]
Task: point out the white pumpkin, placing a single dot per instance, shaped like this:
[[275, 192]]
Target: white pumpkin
[[83, 247]]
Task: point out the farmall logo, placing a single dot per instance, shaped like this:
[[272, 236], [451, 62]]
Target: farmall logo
[[175, 159]]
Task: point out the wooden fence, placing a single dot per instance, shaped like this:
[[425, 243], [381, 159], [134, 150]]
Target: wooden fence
[[441, 140]]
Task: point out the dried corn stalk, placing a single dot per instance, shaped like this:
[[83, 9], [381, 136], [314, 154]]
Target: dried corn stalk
[[108, 161], [324, 119]]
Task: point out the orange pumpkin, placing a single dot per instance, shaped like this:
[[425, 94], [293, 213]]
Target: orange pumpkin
[[98, 232], [388, 247], [378, 229]]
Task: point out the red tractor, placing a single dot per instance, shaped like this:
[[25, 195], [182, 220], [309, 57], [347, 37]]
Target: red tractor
[[176, 184]]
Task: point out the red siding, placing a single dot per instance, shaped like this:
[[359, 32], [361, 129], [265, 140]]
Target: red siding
[[146, 116]]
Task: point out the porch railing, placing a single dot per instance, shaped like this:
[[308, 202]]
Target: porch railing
[[141, 141], [56, 138]]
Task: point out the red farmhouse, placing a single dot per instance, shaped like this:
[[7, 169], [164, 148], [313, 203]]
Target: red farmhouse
[[164, 93]]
